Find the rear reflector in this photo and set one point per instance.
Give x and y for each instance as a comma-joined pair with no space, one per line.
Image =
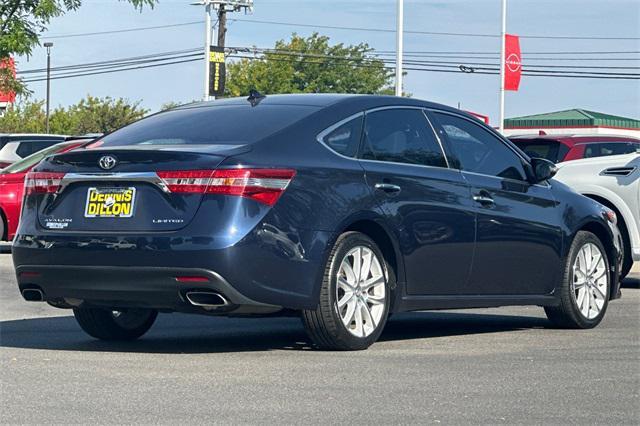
28,274
42,182
263,185
192,279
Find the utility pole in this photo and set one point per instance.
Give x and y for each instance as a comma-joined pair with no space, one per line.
399,37
503,33
48,45
222,7
222,26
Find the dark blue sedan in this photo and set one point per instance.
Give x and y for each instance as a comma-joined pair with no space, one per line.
340,208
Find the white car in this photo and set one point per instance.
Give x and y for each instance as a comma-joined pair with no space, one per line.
615,182
14,147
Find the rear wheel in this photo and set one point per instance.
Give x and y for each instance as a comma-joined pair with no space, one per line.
354,298
107,324
584,292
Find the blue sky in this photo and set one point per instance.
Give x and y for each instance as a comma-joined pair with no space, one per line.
182,83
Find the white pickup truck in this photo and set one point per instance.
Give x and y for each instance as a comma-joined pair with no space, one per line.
615,182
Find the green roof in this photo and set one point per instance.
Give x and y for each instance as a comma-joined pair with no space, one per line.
572,118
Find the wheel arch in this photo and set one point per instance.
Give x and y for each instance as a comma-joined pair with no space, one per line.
617,204
372,225
600,231
622,221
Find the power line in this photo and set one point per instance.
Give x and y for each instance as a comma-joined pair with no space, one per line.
124,30
384,30
336,27
420,67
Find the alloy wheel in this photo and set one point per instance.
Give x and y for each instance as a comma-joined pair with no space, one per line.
361,291
590,281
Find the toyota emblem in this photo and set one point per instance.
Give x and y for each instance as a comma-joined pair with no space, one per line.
107,162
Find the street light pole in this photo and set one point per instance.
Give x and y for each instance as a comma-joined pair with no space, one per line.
503,33
207,43
399,37
48,45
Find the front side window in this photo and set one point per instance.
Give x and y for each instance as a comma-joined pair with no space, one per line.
478,151
401,136
345,138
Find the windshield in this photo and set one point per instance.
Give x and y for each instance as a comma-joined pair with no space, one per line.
542,148
30,161
220,125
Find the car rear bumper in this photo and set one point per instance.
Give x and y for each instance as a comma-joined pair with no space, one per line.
161,288
141,270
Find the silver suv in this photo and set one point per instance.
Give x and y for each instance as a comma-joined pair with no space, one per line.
16,146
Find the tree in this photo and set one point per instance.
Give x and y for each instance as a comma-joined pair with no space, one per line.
21,22
310,65
90,115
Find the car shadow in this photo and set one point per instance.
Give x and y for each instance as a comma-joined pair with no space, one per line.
632,281
193,334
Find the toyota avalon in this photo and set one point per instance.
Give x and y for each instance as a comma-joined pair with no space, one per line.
341,208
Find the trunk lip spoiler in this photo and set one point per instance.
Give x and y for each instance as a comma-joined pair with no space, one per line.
148,177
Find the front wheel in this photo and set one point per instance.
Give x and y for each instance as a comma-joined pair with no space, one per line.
354,297
584,291
107,324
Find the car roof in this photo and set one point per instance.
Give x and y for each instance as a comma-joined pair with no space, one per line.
573,139
321,100
32,134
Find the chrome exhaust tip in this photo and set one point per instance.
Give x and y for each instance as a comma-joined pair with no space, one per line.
206,299
33,295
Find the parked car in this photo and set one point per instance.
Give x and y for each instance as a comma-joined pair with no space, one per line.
615,182
16,146
559,148
343,208
12,185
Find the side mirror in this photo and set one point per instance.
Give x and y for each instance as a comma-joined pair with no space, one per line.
543,169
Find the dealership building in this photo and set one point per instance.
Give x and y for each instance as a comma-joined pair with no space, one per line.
573,121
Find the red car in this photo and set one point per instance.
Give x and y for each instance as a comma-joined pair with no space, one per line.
12,184
558,148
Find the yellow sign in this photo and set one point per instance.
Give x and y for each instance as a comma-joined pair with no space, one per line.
116,202
217,57
216,71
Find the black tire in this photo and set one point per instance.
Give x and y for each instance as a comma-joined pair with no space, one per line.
324,324
567,314
105,324
3,227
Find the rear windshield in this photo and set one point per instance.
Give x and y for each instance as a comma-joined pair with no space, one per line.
230,124
542,148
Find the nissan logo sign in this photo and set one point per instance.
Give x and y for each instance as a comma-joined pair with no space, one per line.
107,162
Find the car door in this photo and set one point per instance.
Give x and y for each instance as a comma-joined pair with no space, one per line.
518,234
428,204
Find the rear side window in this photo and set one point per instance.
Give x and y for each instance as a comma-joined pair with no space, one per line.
216,125
542,148
612,148
479,151
401,136
345,138
29,147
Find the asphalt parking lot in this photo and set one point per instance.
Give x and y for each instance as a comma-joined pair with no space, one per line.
498,366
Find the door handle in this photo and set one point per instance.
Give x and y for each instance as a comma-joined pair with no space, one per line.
387,187
483,198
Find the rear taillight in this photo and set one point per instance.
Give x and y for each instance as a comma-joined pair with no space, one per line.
42,182
263,185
